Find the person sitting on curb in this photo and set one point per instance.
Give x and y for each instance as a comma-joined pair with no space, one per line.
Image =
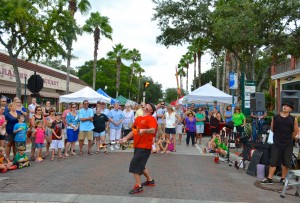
21,159
163,143
5,166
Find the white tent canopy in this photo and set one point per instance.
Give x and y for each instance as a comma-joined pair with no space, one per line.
86,93
207,94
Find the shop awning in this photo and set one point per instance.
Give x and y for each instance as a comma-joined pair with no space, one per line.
49,94
8,89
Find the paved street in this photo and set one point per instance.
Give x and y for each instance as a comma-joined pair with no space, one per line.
181,176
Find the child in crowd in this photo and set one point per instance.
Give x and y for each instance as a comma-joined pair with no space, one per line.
21,159
39,134
20,129
57,142
5,166
155,148
2,127
163,142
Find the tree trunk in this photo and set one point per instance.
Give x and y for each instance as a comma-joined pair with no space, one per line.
187,79
16,73
96,41
263,78
140,76
118,76
195,75
224,72
228,59
181,83
218,71
131,77
199,67
253,63
68,71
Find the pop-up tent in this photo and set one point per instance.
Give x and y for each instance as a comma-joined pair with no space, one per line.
122,100
207,94
86,93
100,91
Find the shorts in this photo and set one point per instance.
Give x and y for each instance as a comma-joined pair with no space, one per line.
96,134
57,144
39,145
72,136
199,128
10,137
214,130
2,137
282,153
85,134
19,144
115,134
32,143
179,129
170,131
139,160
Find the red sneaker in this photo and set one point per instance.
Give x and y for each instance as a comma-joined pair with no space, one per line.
149,183
13,167
136,189
3,170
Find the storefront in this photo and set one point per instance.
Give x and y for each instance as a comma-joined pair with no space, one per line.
54,81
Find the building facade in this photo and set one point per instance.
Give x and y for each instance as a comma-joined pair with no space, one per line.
54,81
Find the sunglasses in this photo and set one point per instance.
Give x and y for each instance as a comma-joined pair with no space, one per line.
85,103
21,150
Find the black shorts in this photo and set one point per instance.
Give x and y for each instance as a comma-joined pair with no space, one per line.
215,130
170,131
281,153
2,137
139,160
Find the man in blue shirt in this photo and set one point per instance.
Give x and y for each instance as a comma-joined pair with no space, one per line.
115,117
86,127
257,123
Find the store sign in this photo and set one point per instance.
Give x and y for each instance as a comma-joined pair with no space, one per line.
7,74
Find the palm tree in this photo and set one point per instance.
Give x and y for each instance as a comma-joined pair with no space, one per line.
83,6
139,70
199,44
135,56
118,54
99,25
193,50
181,73
184,62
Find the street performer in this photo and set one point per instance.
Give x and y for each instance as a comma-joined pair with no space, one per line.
285,128
143,131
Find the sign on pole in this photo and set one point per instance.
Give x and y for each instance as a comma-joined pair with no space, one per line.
233,80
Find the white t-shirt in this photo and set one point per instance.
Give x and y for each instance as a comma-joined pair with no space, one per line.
30,108
170,120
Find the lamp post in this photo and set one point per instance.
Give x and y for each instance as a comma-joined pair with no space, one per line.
243,87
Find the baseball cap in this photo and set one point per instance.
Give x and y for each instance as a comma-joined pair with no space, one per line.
288,103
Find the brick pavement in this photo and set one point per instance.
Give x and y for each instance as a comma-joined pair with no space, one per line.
181,176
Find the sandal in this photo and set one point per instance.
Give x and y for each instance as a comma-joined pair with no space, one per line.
81,153
105,152
90,153
97,152
61,157
52,159
174,150
73,153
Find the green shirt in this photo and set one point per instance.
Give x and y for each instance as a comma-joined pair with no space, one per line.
200,116
238,119
20,158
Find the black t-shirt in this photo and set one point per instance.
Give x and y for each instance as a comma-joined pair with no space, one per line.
99,122
283,129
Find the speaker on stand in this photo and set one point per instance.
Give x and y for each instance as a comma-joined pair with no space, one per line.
293,96
257,101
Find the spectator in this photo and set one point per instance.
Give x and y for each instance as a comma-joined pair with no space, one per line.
239,120
214,122
103,109
172,120
258,118
190,127
19,108
2,127
179,129
163,143
21,160
139,111
39,134
100,122
228,114
37,117
64,115
46,109
32,107
11,120
285,128
200,118
20,130
159,114
86,127
48,123
214,106
128,120
115,117
72,120
57,142
5,166
3,102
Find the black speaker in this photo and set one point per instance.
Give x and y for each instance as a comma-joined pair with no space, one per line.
293,96
257,101
266,150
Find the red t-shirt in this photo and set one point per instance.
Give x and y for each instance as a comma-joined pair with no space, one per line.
144,122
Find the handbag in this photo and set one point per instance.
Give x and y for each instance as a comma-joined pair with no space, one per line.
171,146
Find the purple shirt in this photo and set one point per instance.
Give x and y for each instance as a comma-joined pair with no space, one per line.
190,125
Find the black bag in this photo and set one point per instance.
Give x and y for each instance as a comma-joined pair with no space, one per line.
229,125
